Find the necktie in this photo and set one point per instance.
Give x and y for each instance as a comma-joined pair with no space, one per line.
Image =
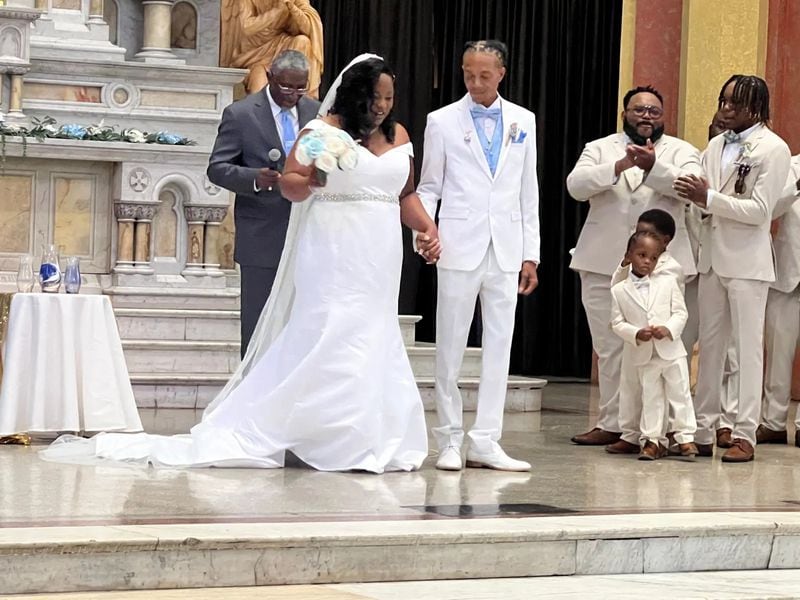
731,137
287,131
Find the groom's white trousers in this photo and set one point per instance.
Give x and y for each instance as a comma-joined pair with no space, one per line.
457,293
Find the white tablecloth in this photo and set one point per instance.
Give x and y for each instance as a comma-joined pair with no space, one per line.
63,367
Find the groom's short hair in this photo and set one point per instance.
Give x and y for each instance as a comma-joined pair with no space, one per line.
496,47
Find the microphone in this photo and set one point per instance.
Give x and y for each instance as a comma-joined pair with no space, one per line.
273,156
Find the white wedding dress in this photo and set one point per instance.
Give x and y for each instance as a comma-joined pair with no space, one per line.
328,377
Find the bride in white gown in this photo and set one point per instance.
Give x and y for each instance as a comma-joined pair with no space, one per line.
326,375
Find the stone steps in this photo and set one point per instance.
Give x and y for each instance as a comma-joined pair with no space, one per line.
195,391
174,298
137,556
206,356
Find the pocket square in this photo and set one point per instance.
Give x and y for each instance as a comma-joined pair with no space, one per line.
520,138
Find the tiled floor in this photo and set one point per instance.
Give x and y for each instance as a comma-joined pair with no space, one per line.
566,479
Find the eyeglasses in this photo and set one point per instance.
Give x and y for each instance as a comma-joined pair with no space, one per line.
653,111
291,90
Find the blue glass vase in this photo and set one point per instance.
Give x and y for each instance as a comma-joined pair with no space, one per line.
50,271
72,275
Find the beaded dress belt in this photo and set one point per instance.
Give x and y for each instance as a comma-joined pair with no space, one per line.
363,197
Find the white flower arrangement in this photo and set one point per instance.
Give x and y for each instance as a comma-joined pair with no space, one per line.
327,149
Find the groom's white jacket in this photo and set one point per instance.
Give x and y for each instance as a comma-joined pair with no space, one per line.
478,208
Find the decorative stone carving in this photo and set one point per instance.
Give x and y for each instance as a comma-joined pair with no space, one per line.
139,179
195,214
124,211
216,214
210,188
146,212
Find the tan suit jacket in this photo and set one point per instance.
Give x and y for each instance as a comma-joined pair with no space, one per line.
736,242
787,240
665,306
614,207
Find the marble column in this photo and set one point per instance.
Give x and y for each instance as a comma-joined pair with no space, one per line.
214,217
126,219
157,32
144,222
195,239
15,98
96,12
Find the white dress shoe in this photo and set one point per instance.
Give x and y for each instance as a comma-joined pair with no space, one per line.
496,460
449,459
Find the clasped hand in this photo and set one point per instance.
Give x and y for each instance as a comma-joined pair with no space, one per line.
428,245
643,157
692,188
658,332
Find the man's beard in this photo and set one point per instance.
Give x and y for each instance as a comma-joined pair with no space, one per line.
631,132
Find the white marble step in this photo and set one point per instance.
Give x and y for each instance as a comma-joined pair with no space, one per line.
176,356
203,356
146,556
203,324
183,298
177,324
192,390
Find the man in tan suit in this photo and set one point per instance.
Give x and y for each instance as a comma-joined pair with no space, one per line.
746,170
621,176
783,317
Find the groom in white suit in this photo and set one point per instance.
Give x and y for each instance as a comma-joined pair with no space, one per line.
480,160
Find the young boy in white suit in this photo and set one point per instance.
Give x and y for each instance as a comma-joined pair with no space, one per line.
649,314
660,224
480,160
783,318
746,170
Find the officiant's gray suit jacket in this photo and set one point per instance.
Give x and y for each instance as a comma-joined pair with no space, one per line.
246,134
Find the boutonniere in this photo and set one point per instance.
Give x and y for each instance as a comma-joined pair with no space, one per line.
743,167
468,136
515,134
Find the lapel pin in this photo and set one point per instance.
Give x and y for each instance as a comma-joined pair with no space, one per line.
468,137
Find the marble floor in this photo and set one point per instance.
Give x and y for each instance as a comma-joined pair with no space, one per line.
724,585
566,480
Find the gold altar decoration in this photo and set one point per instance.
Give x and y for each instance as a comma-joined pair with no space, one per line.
5,309
254,32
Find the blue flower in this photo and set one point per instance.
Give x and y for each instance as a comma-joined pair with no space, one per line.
313,146
168,138
73,131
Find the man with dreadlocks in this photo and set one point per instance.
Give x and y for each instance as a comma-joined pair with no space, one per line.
621,176
746,169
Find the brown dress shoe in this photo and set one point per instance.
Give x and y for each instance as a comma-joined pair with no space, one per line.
765,435
705,450
652,451
596,437
687,451
623,447
724,439
741,451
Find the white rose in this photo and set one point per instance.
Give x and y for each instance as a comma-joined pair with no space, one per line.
135,136
301,155
349,159
49,129
326,162
335,145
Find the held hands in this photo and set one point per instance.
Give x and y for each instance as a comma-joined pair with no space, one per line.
528,278
266,179
692,188
428,245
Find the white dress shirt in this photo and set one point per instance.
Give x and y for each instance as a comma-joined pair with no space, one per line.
730,153
276,114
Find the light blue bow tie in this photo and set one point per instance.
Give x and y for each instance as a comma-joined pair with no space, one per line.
481,112
731,137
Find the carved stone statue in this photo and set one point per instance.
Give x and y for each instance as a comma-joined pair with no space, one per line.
255,31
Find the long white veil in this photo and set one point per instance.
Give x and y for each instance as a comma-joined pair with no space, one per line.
276,311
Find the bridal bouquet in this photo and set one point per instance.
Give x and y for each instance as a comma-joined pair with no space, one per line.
327,149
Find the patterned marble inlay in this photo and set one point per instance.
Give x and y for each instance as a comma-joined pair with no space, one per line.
15,212
74,199
328,197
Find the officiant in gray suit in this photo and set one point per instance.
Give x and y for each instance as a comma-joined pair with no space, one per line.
242,162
